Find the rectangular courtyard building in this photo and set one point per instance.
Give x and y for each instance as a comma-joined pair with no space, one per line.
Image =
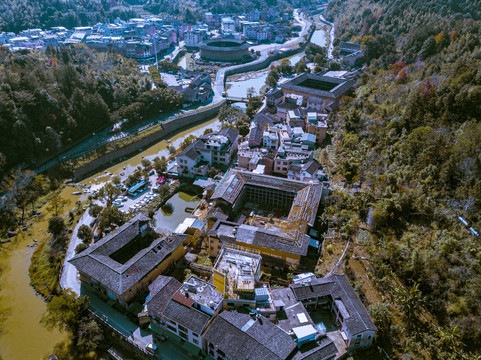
314,86
127,260
270,214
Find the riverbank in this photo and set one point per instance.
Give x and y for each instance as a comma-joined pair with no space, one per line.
22,337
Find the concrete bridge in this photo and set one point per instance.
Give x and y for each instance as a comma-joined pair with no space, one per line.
232,99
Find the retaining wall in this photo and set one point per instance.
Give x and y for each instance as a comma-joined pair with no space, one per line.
178,56
169,126
253,66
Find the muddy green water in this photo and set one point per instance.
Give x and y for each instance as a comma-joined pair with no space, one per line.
22,337
180,201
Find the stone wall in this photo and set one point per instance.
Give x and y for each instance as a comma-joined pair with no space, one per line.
170,126
178,56
255,66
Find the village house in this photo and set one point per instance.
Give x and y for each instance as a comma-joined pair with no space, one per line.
336,294
288,154
309,171
274,97
189,312
216,148
317,125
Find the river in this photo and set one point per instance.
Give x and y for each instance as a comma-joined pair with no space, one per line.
22,337
237,86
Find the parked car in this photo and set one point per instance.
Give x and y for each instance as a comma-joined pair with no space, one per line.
118,204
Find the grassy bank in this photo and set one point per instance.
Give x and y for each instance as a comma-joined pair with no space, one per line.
115,145
45,270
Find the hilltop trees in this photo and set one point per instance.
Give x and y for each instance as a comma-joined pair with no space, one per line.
50,100
405,150
17,15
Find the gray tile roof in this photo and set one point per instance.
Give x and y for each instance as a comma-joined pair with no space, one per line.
311,167
338,288
230,133
161,291
340,88
275,94
241,337
265,119
191,152
255,136
187,316
295,243
96,261
321,349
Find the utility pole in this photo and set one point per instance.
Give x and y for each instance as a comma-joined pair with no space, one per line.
155,49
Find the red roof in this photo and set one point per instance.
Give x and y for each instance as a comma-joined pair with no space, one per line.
181,299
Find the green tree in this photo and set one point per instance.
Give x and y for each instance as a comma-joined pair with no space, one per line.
110,216
146,162
81,247
301,67
65,311
160,165
89,335
56,203
95,210
56,226
85,233
272,79
382,317
108,193
411,301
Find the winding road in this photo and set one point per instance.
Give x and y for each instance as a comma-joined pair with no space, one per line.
331,37
219,84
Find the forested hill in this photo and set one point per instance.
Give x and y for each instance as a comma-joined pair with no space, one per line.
53,99
17,15
195,9
407,149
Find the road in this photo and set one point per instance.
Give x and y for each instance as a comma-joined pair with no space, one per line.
331,38
220,76
69,276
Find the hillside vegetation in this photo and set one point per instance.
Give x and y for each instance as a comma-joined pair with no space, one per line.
17,15
51,100
406,148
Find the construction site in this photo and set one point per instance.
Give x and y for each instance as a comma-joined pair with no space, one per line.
236,271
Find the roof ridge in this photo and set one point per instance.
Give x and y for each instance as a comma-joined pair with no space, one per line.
250,336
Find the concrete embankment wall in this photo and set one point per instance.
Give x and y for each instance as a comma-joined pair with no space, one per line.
178,56
169,127
266,62
261,64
